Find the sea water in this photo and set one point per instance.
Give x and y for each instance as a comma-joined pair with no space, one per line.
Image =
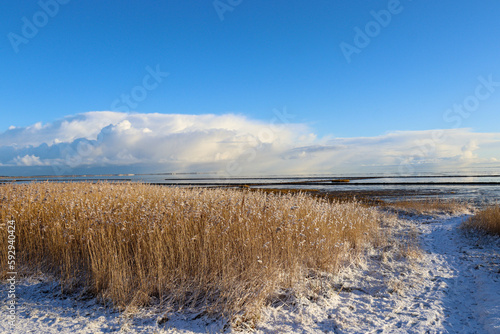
479,187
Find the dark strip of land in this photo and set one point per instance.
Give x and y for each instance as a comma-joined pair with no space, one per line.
240,184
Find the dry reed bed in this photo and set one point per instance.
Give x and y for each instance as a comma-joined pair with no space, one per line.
430,206
218,251
487,220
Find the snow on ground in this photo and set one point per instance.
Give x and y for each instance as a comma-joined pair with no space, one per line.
452,285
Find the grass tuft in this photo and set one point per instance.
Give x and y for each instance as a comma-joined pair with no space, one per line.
487,221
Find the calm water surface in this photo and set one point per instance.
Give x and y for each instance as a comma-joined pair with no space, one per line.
481,188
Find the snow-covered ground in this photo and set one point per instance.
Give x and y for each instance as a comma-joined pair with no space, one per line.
452,285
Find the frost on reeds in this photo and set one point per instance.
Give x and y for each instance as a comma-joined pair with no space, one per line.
218,251
487,221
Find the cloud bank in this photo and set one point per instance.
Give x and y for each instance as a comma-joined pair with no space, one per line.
232,145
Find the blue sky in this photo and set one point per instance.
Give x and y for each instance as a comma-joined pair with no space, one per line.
251,58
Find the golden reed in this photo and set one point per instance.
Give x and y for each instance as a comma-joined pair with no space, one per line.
487,220
216,250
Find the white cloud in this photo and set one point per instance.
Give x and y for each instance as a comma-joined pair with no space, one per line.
233,144
468,150
28,160
86,125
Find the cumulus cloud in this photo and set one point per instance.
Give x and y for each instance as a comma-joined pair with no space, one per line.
231,144
28,160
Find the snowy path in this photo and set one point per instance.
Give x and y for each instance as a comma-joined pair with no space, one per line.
463,277
451,286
